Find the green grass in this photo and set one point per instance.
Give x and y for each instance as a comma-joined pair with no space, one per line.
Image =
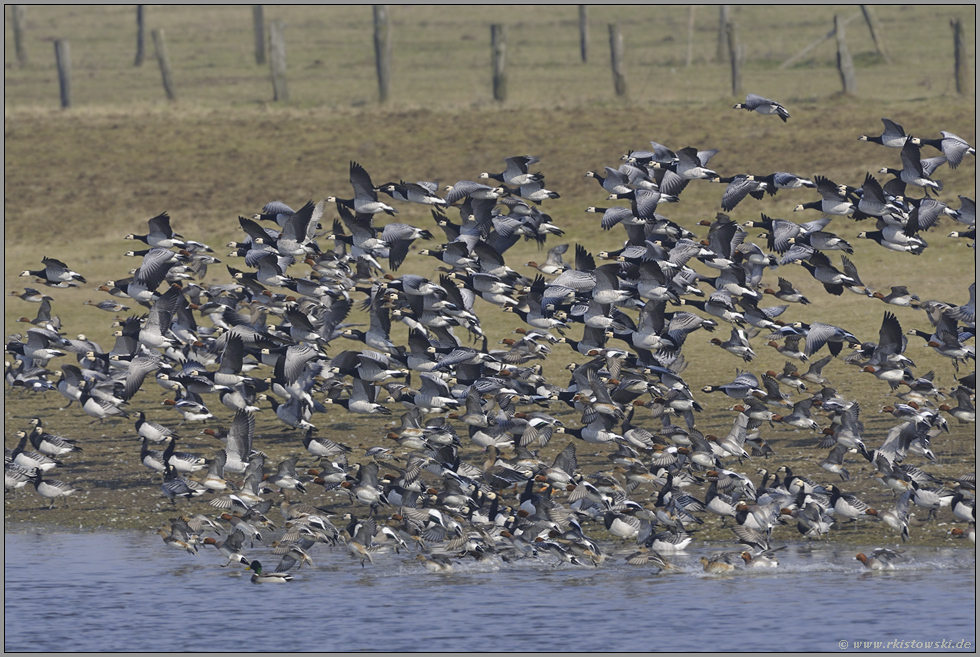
77,181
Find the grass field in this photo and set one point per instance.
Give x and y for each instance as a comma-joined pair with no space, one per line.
441,55
77,181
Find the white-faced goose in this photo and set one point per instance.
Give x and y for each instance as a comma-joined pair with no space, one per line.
756,103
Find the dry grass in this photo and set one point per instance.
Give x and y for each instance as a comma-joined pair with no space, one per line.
76,182
441,55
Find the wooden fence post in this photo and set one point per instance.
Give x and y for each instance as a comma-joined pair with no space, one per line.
616,52
62,55
382,50
876,34
498,47
723,20
140,35
690,35
844,62
736,54
830,35
583,32
160,46
258,29
961,60
277,60
20,31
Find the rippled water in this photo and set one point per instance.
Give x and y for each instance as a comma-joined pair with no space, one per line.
127,591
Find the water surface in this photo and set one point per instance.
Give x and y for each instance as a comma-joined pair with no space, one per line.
130,592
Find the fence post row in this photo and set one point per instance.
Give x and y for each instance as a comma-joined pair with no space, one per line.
277,61
723,20
830,35
20,31
258,28
690,35
876,34
160,46
844,62
736,55
961,60
382,50
62,55
727,45
498,47
140,35
616,51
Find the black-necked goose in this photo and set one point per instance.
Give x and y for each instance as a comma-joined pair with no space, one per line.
660,153
535,192
740,186
361,399
822,240
819,334
49,443
912,171
691,164
832,202
159,233
296,238
967,312
954,148
820,268
516,173
756,103
966,234
471,189
895,239
781,230
854,284
365,199
156,332
418,192
30,459
98,407
41,343
55,274
52,489
872,202
893,135
276,211
615,215
614,182
399,237
784,180
150,275
15,476
744,385
644,202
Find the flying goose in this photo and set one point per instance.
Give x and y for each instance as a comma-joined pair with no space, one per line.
755,103
516,173
365,199
893,135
